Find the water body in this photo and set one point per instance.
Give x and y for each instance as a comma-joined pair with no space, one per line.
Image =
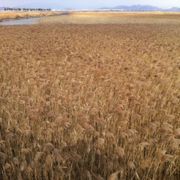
24,21
67,18
29,21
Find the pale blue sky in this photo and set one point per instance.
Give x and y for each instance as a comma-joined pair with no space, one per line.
60,4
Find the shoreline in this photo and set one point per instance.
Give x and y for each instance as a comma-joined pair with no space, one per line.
21,15
5,15
90,17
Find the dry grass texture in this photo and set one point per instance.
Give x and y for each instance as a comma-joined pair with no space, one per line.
90,102
114,18
16,15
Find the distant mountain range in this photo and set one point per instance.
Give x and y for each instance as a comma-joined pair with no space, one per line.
141,8
133,8
174,9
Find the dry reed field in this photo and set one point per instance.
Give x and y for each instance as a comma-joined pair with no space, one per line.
90,102
19,14
114,18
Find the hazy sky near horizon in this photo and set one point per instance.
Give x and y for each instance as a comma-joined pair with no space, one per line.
79,4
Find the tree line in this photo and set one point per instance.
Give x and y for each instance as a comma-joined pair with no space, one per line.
26,9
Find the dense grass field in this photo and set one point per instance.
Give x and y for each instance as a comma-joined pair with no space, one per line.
90,102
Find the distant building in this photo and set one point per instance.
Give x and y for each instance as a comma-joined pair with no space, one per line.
24,9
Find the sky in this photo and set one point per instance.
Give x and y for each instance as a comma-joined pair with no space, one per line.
86,4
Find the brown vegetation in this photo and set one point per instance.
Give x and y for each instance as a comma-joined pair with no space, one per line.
114,18
18,14
90,102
